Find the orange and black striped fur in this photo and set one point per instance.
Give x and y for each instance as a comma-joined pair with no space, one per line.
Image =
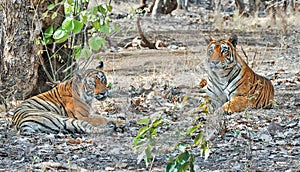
66,108
232,84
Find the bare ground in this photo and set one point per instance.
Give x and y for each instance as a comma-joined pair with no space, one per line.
256,140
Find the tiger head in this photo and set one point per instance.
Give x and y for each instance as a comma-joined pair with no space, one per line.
92,83
221,53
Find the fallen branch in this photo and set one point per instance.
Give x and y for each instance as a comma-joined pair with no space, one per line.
149,44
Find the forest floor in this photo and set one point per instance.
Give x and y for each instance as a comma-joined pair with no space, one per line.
156,83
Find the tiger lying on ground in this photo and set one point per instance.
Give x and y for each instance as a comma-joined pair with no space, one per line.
232,84
66,108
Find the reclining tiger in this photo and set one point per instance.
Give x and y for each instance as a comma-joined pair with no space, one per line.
67,107
232,84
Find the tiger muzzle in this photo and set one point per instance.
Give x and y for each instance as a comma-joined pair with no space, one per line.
216,64
102,95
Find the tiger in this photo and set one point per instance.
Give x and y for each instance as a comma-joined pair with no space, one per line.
67,107
232,84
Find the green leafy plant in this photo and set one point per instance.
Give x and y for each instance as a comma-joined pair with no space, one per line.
77,19
185,159
145,140
91,25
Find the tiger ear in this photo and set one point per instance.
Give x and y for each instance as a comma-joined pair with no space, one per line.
208,39
100,65
233,40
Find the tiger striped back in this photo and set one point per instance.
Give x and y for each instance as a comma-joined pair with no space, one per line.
66,108
232,84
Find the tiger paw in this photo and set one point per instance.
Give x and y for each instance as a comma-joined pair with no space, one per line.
107,128
116,126
111,125
120,128
229,108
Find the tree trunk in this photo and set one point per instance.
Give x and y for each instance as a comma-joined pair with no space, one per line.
241,6
252,7
23,62
20,62
163,7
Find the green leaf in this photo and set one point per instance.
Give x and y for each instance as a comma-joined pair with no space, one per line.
83,16
68,10
206,151
183,158
96,43
192,160
37,41
86,52
68,24
138,142
108,7
71,2
104,29
152,132
142,131
45,14
157,123
48,32
110,85
144,121
199,139
77,26
101,9
54,15
184,167
63,39
48,41
191,130
171,166
50,7
96,25
60,35
77,51
194,128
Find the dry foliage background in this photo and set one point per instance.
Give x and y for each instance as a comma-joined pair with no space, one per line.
149,83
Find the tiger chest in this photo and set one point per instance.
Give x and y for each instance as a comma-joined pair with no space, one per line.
224,85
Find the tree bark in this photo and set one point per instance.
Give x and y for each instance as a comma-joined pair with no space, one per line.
241,6
20,62
252,7
23,62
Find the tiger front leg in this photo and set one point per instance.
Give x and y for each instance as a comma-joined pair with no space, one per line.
95,121
101,122
236,104
80,126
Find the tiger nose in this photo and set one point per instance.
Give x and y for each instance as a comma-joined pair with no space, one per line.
215,62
